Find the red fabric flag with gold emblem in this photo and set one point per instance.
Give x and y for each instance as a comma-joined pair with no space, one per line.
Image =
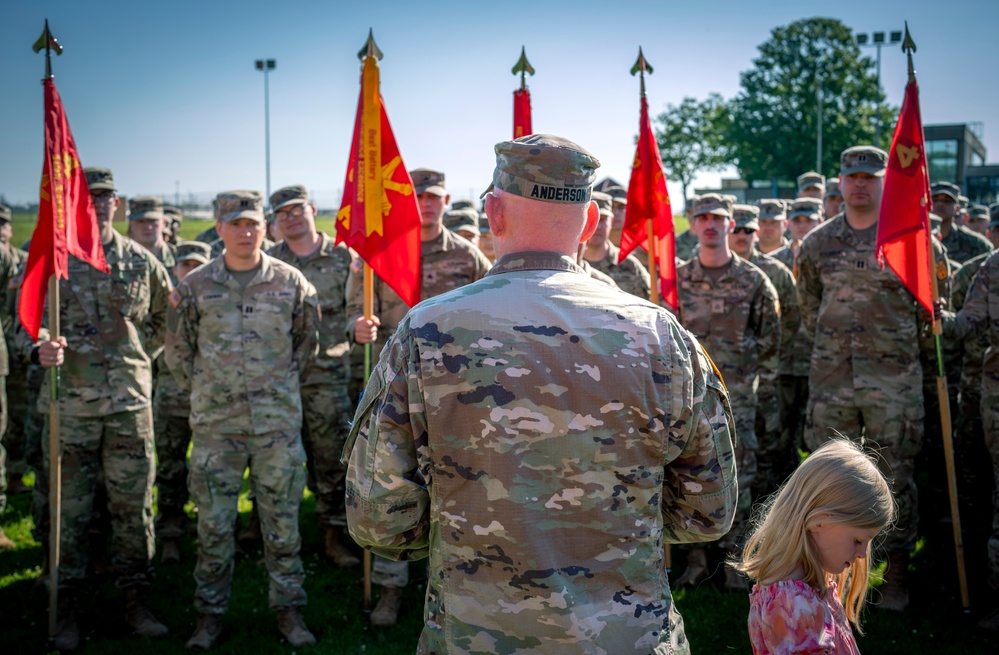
522,113
903,240
648,200
67,224
379,216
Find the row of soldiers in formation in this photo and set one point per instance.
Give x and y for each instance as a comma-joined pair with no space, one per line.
253,357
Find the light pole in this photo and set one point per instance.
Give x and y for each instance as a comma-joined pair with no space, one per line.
267,65
877,39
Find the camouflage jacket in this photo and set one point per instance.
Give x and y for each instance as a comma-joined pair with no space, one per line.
801,345
865,324
539,436
974,347
242,352
630,275
114,327
963,244
685,243
328,269
980,316
737,319
9,279
210,235
790,310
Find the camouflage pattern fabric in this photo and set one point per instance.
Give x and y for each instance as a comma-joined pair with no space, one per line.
243,368
629,275
516,431
963,244
209,235
865,365
18,395
326,405
685,243
277,474
597,275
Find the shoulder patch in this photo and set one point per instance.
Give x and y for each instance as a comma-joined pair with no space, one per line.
175,298
941,270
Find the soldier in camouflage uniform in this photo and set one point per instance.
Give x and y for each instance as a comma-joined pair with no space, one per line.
112,329
773,220
447,262
602,255
326,407
172,424
242,336
833,200
812,185
464,223
777,455
865,375
732,307
171,229
961,243
978,220
686,241
527,492
8,272
146,222
978,316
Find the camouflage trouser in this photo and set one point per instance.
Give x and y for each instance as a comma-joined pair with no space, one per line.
990,420
326,412
895,434
3,453
13,437
793,406
389,573
121,446
277,475
173,434
746,471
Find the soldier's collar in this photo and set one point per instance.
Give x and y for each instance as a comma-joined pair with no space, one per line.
535,260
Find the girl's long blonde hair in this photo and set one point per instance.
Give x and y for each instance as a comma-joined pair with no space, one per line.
838,483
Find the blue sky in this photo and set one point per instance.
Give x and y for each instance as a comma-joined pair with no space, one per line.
165,93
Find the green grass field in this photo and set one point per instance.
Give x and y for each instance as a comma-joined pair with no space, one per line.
715,620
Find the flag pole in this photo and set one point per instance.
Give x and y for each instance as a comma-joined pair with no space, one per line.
943,398
371,150
49,43
522,120
523,67
640,68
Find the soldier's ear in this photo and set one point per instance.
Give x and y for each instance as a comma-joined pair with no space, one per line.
494,214
592,217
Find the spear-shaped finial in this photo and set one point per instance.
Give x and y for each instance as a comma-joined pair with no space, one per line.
523,67
370,48
909,47
642,67
47,41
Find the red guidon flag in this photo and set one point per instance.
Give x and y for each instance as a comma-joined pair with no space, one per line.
648,204
379,216
903,240
67,224
522,113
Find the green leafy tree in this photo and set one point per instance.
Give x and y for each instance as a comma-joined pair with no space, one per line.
775,115
692,138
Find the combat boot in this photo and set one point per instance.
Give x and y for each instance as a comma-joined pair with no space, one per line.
5,542
251,533
895,590
386,612
67,633
697,568
169,551
138,616
207,633
336,551
292,626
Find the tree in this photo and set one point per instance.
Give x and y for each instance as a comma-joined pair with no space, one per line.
691,138
775,115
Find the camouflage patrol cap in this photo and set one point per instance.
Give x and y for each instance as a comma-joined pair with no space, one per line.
426,180
810,208
295,194
713,203
772,208
945,189
194,250
994,213
145,207
463,204
605,203
545,167
462,219
963,201
978,213
832,188
692,201
173,213
618,194
810,179
5,213
863,159
745,216
232,205
99,179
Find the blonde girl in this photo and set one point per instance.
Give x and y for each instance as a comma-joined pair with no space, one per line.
810,553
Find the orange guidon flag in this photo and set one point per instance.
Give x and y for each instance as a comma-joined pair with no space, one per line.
648,199
903,239
379,216
67,224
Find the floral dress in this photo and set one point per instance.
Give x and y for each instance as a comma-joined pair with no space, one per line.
790,617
